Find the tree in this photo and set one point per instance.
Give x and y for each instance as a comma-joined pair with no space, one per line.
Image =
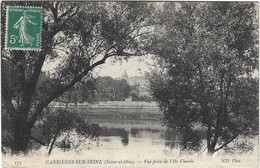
207,55
82,35
62,121
111,89
81,92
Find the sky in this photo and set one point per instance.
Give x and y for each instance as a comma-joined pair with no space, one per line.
134,66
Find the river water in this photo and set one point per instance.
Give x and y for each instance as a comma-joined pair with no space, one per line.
133,138
133,130
137,132
131,134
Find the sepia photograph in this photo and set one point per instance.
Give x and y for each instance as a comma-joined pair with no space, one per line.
134,84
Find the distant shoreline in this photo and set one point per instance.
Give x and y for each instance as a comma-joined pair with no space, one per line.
111,105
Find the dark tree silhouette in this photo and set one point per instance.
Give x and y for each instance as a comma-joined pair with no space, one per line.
207,57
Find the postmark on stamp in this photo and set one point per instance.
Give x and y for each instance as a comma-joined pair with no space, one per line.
23,28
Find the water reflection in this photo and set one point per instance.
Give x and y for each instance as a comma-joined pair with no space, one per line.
136,132
158,136
110,132
129,133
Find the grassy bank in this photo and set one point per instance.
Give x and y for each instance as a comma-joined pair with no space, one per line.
119,113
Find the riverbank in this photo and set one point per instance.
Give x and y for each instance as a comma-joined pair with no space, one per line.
115,110
119,113
110,104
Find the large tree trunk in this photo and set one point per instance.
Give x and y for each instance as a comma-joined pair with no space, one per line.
211,151
21,136
21,129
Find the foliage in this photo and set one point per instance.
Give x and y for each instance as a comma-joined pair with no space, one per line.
207,55
109,89
59,122
80,92
99,89
135,93
240,148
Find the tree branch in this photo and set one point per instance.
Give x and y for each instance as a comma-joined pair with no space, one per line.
234,137
67,12
63,89
54,11
220,114
38,141
32,83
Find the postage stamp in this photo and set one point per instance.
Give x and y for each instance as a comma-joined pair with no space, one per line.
23,28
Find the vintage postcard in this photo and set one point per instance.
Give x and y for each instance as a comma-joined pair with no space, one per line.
129,84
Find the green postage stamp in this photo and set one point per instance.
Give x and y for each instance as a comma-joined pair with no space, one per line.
23,28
